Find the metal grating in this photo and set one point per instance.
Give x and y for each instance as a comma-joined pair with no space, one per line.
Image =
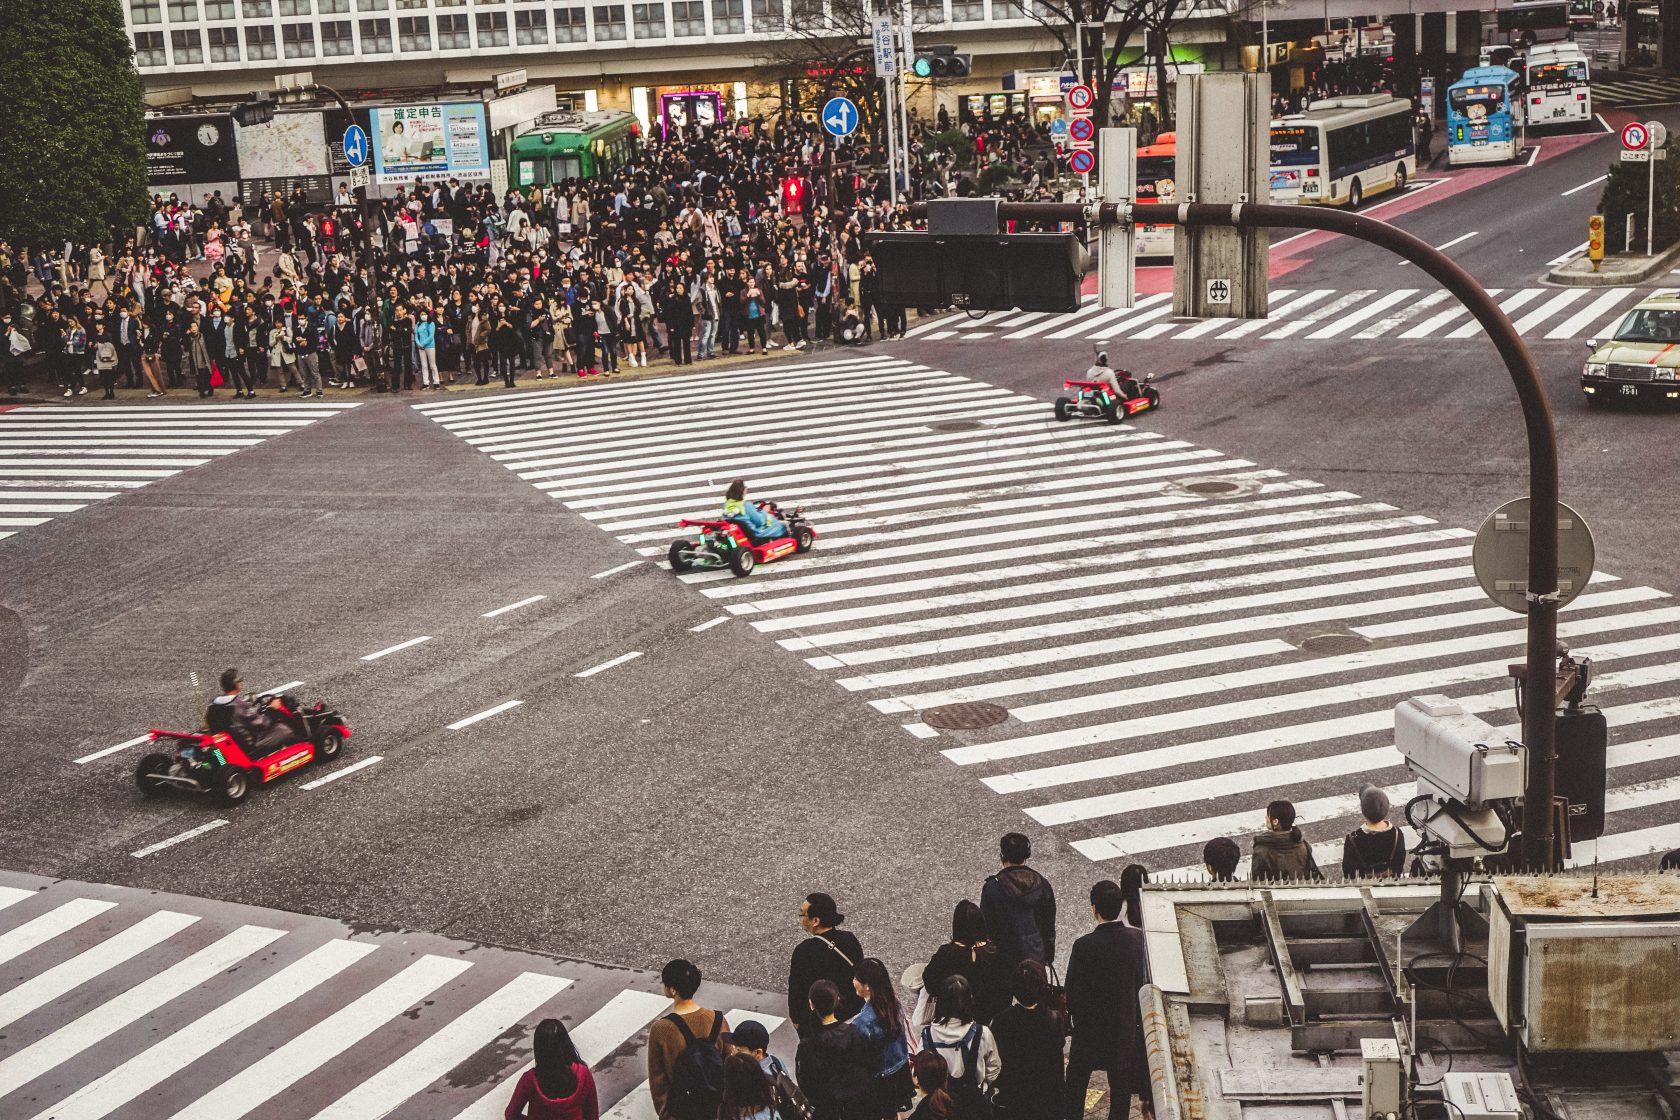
965,717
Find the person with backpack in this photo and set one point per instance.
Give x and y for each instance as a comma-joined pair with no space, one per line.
1029,1041
882,1026
969,1050
1281,852
750,1038
971,955
1376,849
833,1060
1106,969
943,1099
747,1093
827,953
559,1086
685,1051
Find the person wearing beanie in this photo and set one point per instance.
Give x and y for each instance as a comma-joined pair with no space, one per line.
1376,849
1281,852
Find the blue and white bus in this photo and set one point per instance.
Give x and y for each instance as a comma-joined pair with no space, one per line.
1486,118
1342,149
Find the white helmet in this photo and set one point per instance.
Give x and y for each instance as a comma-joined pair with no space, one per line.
1102,357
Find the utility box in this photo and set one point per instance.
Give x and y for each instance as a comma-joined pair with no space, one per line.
1586,963
1224,157
1381,1078
1583,740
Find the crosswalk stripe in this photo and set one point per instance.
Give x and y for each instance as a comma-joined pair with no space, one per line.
1407,313
1510,303
38,931
1108,321
1546,310
1276,298
1300,303
1594,312
44,987
1307,318
1370,310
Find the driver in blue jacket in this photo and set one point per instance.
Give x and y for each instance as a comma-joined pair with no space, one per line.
758,524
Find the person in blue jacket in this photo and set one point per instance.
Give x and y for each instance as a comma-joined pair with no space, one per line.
425,351
758,524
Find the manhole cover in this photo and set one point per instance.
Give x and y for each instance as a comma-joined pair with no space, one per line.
964,717
956,425
1212,486
1336,641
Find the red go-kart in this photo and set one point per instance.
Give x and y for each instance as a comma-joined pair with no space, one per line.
725,544
221,763
1093,399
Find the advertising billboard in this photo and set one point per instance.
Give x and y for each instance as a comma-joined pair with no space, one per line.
191,149
430,142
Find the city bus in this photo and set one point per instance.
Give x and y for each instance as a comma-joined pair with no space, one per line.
1583,14
567,145
1486,118
1557,83
1527,22
1342,149
1156,182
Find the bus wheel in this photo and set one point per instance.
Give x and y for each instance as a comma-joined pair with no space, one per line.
1356,195
1400,177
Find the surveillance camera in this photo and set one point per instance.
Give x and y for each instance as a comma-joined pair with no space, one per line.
1456,755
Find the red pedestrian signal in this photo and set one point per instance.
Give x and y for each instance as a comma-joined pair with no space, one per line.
791,196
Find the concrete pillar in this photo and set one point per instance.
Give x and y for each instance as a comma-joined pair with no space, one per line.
1452,32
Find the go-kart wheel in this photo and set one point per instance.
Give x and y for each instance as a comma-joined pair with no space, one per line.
232,785
1064,408
1114,412
1154,396
155,763
679,562
803,539
328,745
742,561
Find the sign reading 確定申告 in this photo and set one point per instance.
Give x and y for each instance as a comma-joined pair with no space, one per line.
430,142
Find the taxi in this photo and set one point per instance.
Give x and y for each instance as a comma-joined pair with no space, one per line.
1640,359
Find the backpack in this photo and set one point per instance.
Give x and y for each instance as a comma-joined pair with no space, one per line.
697,1076
1380,871
791,1103
968,1046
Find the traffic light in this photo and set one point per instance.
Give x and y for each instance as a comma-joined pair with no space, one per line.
793,201
941,62
253,112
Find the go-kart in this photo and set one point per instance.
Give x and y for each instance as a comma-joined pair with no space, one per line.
725,543
221,762
1093,399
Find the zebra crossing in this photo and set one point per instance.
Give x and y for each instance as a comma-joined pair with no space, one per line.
1173,635
128,1004
1654,90
1309,315
58,459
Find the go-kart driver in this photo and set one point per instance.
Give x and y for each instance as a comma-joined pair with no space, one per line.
265,728
758,524
1102,372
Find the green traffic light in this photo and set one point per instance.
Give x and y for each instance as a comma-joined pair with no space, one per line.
924,67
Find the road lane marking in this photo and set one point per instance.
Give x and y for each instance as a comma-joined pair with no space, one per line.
485,714
207,826
708,625
513,606
1533,154
337,774
615,571
605,665
40,930
280,688
1564,258
375,656
1457,240
1585,185
134,742
921,731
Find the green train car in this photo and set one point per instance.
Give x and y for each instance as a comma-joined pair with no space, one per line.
569,145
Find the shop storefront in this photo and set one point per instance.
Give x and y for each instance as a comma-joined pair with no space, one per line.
1045,90
667,110
988,108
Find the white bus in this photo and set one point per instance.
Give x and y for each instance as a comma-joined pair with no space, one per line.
1342,149
1559,85
1527,22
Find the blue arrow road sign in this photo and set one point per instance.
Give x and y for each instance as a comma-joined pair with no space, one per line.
840,116
1058,127
355,146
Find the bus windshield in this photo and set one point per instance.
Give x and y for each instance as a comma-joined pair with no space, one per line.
1294,146
1558,74
1466,100
1649,325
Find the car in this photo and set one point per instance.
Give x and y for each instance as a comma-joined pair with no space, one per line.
1093,399
219,763
1640,360
725,544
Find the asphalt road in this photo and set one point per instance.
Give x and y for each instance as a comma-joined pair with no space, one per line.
680,802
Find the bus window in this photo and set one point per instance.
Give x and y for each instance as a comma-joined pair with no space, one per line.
1294,147
1557,74
1155,182
1477,102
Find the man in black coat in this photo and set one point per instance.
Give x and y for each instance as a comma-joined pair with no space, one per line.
1106,970
827,954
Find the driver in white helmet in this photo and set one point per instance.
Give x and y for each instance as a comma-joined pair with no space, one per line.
1102,372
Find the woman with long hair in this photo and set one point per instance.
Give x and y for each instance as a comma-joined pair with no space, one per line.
1132,880
559,1086
970,954
967,1045
747,1091
939,1100
881,1023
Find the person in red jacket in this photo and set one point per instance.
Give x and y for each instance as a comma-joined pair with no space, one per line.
559,1086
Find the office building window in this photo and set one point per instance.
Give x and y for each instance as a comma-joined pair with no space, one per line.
688,17
376,36
187,47
373,5
183,11
927,11
218,9
492,29
148,49
449,3
412,3
650,20
258,9
336,38
141,12
452,33
224,44
609,22
807,14
967,11
259,42
295,8
767,15
727,18
298,40
570,26
414,33
333,7
530,26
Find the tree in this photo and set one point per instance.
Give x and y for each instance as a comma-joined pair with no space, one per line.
73,108
1099,30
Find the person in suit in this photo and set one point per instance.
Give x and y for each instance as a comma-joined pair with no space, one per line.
1106,969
